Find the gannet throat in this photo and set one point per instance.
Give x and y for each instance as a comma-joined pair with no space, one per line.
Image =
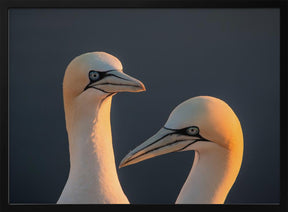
89,83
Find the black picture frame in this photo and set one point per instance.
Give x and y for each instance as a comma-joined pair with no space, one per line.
6,5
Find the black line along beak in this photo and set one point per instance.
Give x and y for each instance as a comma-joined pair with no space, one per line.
115,81
163,142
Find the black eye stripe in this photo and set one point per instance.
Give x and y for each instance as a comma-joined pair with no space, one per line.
184,132
192,131
101,76
90,75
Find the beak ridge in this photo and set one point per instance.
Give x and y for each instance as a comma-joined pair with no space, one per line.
163,142
120,82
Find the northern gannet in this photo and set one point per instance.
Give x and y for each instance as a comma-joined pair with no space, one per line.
211,128
89,83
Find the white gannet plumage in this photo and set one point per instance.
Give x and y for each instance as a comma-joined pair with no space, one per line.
211,128
89,83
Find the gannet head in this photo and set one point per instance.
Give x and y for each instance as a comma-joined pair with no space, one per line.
198,124
99,74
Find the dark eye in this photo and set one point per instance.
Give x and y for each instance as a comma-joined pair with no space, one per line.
192,131
94,75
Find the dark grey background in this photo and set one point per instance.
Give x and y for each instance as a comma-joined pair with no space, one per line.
232,54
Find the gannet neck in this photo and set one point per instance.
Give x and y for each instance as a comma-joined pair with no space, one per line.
93,177
212,175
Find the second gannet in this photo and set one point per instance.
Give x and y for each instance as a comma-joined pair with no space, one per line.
208,126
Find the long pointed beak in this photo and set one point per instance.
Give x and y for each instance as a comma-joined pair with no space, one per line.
163,142
117,81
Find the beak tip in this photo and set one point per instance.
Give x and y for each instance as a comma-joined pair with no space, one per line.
121,165
142,87
125,161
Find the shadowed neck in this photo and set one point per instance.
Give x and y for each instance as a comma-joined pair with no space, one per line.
212,175
93,177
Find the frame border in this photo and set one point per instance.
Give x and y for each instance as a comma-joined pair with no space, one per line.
4,107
